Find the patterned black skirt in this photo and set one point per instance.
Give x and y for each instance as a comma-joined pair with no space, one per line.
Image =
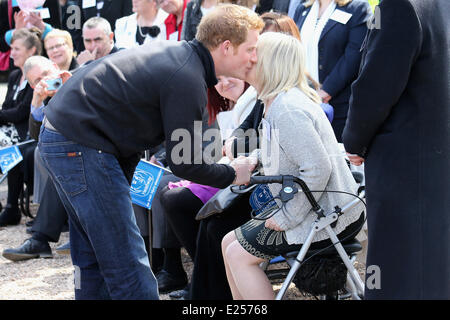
267,244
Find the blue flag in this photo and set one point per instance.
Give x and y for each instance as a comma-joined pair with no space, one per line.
9,158
145,182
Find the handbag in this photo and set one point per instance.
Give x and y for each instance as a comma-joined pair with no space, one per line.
221,201
8,135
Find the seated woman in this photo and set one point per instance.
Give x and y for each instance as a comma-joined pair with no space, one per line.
299,141
59,47
16,110
146,24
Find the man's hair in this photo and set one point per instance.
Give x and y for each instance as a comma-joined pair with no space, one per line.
34,61
63,34
98,22
281,66
227,22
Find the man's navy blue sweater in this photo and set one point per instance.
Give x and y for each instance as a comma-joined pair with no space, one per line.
132,100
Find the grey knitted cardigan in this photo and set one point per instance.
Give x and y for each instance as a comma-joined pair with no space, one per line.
298,139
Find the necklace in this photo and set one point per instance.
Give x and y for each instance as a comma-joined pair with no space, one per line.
140,32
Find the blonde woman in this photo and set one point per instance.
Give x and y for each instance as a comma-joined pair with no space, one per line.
299,141
146,24
59,47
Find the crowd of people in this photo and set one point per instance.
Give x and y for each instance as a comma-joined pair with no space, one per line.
301,76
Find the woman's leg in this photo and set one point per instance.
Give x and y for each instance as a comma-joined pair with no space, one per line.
227,240
248,280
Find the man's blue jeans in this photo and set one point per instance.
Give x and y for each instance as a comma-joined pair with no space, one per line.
107,250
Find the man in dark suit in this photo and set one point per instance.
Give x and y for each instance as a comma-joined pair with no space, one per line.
398,124
98,40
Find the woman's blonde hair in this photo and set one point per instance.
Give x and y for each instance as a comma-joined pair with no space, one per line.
281,66
340,3
57,33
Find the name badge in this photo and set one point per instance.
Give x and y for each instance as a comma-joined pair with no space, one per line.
89,4
173,36
341,16
100,5
44,13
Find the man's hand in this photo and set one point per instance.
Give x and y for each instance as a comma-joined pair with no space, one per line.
271,224
86,56
355,159
64,75
244,168
40,92
324,96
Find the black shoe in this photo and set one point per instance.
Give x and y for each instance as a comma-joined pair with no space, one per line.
30,249
169,282
182,294
10,216
29,223
29,230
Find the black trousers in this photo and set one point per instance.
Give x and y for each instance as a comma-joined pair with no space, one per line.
23,172
181,206
51,216
209,280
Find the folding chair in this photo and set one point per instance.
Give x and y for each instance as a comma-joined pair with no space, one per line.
339,256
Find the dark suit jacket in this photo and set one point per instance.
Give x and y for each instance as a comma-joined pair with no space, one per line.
399,120
281,5
339,51
110,11
264,6
16,111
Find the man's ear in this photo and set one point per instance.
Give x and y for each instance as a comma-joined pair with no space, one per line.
111,36
226,47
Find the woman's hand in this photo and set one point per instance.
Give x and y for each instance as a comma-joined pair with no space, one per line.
20,20
271,224
35,19
355,159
